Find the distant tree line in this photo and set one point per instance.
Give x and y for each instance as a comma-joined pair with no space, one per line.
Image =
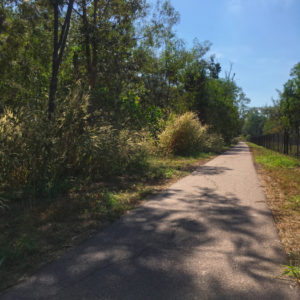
282,117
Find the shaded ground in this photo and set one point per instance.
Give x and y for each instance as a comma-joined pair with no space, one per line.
209,236
28,229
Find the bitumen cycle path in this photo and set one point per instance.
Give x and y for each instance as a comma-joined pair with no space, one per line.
208,236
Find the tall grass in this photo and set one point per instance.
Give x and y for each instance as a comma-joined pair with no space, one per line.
185,135
38,155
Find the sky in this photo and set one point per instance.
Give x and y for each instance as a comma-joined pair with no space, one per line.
261,38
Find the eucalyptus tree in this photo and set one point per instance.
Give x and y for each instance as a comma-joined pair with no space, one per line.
25,53
59,44
290,101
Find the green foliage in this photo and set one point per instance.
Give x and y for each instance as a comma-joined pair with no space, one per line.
117,93
292,271
25,49
109,152
290,101
24,246
214,142
222,109
275,160
283,175
37,155
254,122
273,123
262,120
218,102
123,73
284,115
295,201
108,205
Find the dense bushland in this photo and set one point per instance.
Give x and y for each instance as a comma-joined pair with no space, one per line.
39,155
97,97
90,89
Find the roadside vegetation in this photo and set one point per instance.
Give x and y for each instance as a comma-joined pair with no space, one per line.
97,101
280,175
35,236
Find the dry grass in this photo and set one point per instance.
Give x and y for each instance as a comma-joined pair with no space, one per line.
32,237
185,135
280,176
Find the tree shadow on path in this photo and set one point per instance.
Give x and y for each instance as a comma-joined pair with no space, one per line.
177,246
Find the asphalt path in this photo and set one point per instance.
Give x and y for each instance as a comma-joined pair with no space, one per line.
208,236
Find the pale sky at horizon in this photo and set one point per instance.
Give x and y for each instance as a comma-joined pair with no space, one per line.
260,37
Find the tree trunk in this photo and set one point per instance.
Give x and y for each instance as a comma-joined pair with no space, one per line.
286,142
53,81
94,48
86,33
58,51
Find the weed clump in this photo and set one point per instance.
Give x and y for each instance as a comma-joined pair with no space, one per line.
185,135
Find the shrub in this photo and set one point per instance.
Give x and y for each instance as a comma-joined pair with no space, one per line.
236,140
183,135
109,152
23,148
214,142
37,155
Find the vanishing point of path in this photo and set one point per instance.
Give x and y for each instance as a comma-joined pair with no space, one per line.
209,236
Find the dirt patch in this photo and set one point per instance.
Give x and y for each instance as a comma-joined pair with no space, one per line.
287,220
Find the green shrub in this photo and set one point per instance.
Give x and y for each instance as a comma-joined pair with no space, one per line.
292,271
23,246
109,152
236,140
214,143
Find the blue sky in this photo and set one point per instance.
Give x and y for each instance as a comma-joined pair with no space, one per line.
260,37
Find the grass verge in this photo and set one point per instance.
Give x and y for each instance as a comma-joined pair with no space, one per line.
280,175
31,237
